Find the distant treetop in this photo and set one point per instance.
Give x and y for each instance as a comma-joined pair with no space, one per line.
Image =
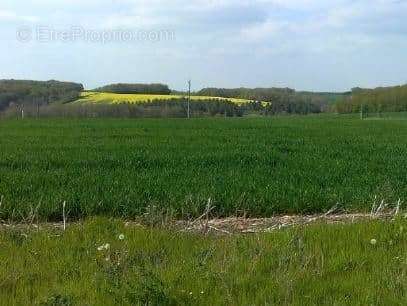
122,88
377,100
37,92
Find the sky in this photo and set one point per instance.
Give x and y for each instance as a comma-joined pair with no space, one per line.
307,45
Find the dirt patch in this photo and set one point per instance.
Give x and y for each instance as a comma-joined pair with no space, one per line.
248,226
232,225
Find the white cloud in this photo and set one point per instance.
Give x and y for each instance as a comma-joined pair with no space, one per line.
358,19
243,33
130,21
7,15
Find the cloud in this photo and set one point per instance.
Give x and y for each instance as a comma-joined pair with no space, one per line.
11,16
362,18
244,36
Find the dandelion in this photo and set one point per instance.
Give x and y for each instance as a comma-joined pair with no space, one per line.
202,292
190,293
104,247
121,237
373,242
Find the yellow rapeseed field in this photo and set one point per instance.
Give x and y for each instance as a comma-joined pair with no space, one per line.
113,98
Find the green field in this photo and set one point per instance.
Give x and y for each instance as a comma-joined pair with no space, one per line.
114,98
356,264
261,167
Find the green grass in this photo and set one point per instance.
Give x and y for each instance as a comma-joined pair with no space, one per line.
385,116
125,168
113,98
315,265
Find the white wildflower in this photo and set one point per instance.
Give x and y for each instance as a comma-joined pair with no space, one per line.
373,242
121,237
104,247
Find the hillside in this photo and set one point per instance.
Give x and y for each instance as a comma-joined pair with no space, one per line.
25,92
115,98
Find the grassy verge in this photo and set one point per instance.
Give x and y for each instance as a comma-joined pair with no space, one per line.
315,265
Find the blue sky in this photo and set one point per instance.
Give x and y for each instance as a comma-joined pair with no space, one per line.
303,44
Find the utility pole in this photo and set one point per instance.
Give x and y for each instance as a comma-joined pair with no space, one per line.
189,99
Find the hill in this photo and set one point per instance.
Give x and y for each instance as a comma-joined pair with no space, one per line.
116,98
26,92
123,88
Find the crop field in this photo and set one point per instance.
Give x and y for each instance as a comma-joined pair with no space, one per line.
256,166
104,262
114,98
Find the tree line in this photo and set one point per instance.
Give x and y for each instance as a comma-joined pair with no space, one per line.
122,88
176,108
378,100
33,96
23,93
283,100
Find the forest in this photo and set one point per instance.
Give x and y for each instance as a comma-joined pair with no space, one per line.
158,89
284,100
378,100
36,93
174,108
52,98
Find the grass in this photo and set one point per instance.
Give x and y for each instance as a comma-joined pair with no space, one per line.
113,98
261,166
315,265
126,168
386,116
